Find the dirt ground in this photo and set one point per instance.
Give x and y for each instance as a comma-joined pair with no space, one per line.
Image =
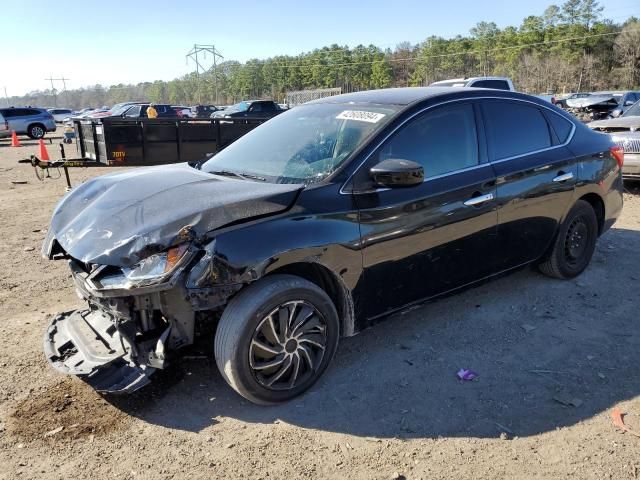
554,358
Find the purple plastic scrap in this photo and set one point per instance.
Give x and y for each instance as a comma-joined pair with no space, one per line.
464,374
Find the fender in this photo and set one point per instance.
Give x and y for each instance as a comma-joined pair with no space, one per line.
328,238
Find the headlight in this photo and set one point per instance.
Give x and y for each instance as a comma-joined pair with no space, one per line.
150,271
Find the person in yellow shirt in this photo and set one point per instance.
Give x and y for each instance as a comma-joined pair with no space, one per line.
151,111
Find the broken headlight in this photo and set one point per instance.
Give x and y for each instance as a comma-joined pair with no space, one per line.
152,270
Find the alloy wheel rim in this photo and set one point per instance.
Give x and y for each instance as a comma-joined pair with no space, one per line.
288,346
38,132
575,244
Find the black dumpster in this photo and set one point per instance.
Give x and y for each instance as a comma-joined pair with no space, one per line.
157,141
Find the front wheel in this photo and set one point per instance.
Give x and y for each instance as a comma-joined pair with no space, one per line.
276,338
575,244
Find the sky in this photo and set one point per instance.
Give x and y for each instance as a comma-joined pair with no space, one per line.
117,41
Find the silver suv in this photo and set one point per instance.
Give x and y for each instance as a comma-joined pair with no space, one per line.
34,122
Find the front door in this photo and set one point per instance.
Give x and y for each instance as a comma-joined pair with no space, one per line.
421,241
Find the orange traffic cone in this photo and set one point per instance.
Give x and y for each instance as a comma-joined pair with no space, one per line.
14,139
44,155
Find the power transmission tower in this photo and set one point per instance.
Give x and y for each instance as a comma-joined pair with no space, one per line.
55,91
203,50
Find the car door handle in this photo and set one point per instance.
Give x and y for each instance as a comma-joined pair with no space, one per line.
563,177
480,199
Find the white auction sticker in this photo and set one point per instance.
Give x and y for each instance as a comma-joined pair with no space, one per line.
361,116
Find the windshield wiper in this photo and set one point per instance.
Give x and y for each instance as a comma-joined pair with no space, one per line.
244,176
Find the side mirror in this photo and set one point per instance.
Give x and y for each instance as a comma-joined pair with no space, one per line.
396,172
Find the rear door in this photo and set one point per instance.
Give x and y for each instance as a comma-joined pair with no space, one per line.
424,240
17,119
535,175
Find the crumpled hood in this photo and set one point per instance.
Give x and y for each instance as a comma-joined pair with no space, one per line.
590,100
620,122
120,218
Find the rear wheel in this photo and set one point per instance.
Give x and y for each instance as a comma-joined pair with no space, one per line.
36,131
575,244
276,338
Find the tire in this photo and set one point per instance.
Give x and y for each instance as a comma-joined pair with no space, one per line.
574,245
36,131
264,362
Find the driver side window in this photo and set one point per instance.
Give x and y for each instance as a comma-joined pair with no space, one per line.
442,140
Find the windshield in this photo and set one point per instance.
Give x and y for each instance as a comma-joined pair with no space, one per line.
633,110
303,145
238,107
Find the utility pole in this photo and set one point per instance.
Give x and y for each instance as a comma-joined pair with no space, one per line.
6,97
193,55
53,88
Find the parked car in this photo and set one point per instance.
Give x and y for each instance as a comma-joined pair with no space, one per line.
251,109
600,105
117,110
5,131
203,111
625,132
561,101
318,223
85,113
498,83
181,111
34,122
59,114
625,101
140,111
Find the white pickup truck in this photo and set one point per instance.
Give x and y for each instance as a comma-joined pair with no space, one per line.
498,83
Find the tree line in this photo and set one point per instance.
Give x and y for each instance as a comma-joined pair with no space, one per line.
568,48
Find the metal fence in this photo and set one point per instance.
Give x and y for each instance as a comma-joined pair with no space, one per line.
302,96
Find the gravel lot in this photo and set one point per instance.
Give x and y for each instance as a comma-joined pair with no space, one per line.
553,359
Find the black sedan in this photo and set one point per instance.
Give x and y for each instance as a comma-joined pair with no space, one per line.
317,224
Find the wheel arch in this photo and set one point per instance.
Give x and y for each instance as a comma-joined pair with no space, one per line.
332,284
597,203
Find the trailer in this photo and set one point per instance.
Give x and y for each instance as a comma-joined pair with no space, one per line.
125,142
156,141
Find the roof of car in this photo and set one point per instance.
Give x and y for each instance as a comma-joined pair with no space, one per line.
404,95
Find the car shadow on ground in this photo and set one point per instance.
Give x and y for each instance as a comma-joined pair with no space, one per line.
548,354
29,142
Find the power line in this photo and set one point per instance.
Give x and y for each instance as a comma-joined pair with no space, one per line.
55,91
193,55
453,54
346,48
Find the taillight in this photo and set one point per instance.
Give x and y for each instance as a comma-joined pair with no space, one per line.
617,152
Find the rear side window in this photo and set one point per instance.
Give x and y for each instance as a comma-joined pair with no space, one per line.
442,140
495,84
560,125
514,128
31,111
13,112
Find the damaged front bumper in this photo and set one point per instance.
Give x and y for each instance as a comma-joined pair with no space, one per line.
88,344
126,335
